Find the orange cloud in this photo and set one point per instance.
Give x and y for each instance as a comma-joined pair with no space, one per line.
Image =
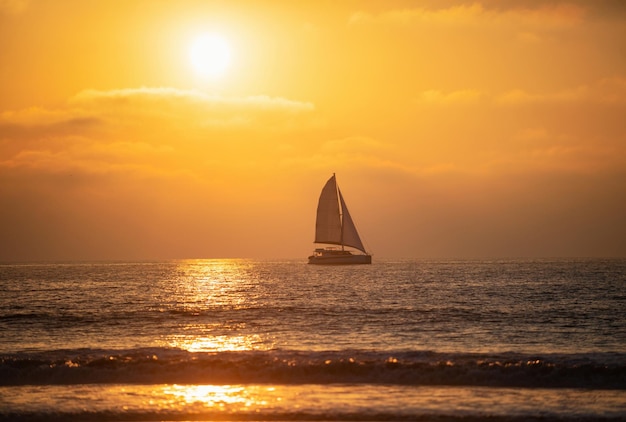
192,107
163,96
167,105
606,91
148,132
461,97
552,16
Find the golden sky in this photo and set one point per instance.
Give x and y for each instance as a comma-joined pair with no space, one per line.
456,129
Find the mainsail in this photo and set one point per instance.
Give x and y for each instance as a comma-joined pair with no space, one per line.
334,225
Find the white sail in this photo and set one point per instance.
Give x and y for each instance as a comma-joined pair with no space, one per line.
328,223
350,235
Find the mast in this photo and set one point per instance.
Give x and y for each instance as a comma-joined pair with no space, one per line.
340,211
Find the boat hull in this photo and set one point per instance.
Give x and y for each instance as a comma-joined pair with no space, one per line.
331,257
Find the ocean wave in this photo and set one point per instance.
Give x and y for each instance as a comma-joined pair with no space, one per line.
110,415
167,365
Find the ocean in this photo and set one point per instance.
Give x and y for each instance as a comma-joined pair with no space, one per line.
444,340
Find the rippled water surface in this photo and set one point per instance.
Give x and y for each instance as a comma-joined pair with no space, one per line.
477,326
476,306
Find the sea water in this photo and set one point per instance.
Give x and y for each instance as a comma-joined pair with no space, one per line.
283,340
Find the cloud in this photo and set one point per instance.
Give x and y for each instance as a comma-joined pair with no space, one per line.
42,117
609,91
147,132
453,15
108,111
544,16
174,107
460,97
82,156
176,97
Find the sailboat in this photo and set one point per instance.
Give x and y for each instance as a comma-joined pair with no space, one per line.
334,226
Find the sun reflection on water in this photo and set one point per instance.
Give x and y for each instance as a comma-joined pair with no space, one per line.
219,343
215,282
231,398
207,291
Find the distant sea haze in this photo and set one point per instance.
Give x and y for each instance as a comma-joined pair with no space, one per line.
275,340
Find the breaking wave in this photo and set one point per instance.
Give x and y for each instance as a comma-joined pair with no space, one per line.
167,365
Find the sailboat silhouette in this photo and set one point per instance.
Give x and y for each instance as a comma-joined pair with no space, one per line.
334,226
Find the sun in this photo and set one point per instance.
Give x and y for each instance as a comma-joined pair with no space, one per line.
210,55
